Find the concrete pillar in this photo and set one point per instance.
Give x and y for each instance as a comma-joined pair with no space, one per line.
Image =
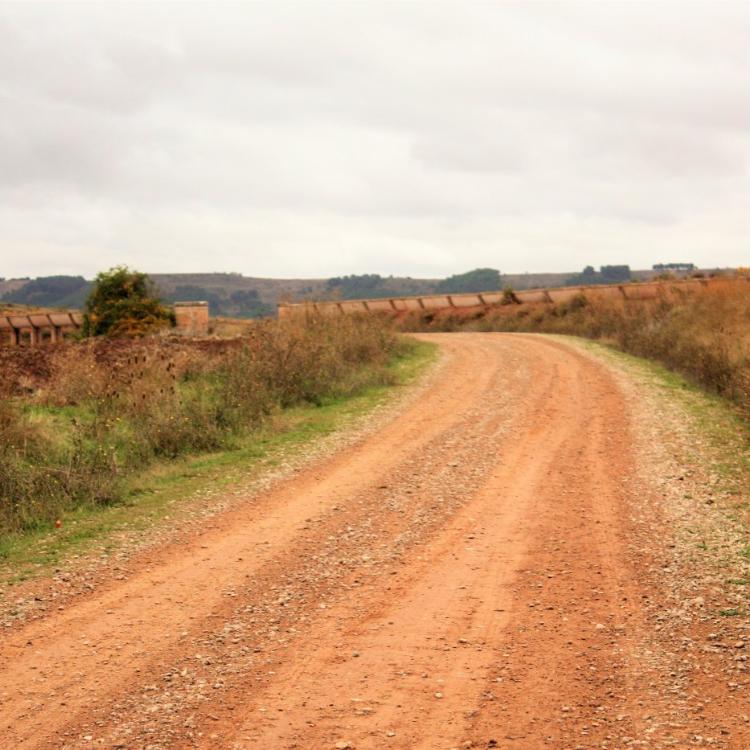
33,336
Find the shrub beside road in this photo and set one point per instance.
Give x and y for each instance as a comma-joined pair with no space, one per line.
77,422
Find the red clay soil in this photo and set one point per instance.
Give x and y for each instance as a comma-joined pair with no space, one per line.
463,577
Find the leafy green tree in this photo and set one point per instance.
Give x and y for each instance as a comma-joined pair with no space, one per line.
478,280
124,302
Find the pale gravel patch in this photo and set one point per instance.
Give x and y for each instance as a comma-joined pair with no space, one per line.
80,574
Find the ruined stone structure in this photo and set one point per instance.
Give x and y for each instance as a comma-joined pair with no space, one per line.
645,290
37,328
33,329
191,318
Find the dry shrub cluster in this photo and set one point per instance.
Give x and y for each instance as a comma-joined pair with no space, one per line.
102,414
703,334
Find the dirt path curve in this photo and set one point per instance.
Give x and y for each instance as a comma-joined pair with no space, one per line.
464,577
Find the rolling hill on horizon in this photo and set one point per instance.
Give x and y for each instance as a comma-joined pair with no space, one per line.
235,295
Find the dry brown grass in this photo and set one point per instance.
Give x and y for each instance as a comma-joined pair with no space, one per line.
98,413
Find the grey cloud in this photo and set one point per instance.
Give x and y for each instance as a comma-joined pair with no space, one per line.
440,133
672,151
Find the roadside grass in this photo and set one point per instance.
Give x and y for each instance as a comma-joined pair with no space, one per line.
719,419
169,490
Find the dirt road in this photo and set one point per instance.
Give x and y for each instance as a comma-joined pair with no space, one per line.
476,573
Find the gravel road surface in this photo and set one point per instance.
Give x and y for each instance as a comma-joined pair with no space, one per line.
500,564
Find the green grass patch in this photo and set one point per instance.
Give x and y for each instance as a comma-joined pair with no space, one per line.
730,612
169,488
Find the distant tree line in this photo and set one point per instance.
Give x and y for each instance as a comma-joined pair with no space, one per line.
605,275
478,280
373,286
358,286
685,267
241,303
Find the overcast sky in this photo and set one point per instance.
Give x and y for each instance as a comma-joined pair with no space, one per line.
314,139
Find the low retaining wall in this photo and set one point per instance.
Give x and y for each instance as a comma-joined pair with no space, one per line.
637,291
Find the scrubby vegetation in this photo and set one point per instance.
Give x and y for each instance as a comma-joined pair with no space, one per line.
99,411
703,334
